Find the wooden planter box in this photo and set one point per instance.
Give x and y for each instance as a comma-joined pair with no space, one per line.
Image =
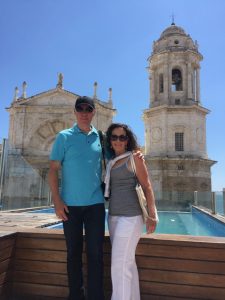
33,266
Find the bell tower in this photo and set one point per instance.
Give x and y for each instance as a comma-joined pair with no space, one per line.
174,69
175,122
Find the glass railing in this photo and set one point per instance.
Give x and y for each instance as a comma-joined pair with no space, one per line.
23,180
220,203
214,202
24,184
203,199
174,200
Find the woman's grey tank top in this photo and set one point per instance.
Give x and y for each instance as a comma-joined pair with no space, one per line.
123,199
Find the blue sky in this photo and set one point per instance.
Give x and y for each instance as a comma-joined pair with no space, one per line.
109,42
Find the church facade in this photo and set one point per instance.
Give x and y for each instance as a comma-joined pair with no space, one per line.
34,123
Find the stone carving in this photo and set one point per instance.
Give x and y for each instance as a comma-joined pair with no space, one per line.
16,93
60,81
24,94
95,90
156,134
110,96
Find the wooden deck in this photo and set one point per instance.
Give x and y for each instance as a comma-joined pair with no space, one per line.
23,219
33,266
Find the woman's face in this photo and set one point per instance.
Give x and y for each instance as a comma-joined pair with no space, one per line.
119,140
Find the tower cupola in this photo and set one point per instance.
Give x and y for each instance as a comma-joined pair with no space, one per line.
174,69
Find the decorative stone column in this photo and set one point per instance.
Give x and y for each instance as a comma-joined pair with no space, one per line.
110,97
198,85
43,174
189,81
152,87
194,85
169,76
166,81
24,93
95,90
16,94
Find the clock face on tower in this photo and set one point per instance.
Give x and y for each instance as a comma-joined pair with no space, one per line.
156,134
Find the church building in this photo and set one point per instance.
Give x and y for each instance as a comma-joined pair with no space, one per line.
175,122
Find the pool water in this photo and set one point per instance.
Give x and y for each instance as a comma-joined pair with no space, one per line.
186,223
189,223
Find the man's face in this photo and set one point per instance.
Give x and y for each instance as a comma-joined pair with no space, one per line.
84,114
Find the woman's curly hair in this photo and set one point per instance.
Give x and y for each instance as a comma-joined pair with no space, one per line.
132,139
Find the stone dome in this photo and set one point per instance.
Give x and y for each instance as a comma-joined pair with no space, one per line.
172,30
174,39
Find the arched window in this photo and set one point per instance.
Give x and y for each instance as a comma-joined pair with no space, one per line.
177,84
161,87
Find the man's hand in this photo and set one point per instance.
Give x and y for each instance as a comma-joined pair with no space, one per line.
61,209
53,177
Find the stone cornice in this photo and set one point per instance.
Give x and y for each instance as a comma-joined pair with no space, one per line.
210,162
169,51
174,108
24,102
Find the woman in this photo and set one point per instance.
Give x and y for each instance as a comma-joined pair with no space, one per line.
125,215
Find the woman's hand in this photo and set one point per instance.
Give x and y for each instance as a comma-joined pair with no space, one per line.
151,225
139,155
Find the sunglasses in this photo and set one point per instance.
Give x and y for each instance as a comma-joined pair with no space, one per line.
87,109
121,138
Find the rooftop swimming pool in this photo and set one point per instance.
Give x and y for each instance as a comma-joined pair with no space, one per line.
190,223
195,223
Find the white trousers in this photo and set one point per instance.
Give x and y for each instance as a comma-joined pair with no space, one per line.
125,233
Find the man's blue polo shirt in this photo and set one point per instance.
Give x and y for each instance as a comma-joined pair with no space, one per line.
80,157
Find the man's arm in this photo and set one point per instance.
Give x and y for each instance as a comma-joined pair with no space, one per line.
53,177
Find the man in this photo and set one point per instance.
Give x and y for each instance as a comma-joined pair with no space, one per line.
77,152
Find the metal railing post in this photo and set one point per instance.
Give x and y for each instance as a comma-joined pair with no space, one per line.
224,201
2,170
213,203
196,198
49,198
